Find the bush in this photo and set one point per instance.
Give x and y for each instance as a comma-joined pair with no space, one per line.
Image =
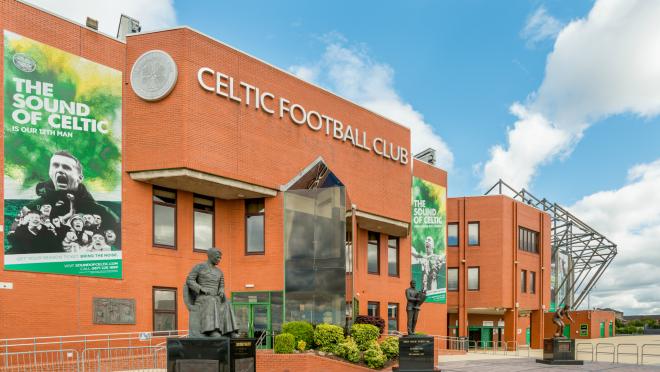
390,347
328,336
349,350
364,334
373,356
373,320
301,345
301,330
284,343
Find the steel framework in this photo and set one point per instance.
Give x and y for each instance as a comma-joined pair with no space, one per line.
587,251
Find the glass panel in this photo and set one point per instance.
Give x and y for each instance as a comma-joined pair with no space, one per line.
164,321
532,282
276,309
473,278
523,278
203,203
203,230
255,233
372,252
473,233
164,300
452,234
452,279
164,196
372,309
163,225
315,255
254,206
393,256
242,313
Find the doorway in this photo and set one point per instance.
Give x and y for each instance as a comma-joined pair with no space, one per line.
256,317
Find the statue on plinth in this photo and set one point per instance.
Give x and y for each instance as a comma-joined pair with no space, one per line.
558,319
210,313
415,300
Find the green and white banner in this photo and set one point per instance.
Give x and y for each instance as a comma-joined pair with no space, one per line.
62,161
429,239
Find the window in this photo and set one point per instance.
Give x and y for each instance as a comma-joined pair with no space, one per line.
373,308
373,256
392,318
203,209
528,240
254,226
473,233
164,209
452,234
473,278
452,279
164,309
523,281
532,282
393,256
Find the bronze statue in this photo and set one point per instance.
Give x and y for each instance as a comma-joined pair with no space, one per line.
415,300
210,313
559,321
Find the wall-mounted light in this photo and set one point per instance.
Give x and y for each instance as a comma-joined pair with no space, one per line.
249,285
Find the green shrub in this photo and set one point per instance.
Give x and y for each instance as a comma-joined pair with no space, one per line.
390,347
373,356
284,343
301,345
328,336
301,330
373,320
364,334
349,350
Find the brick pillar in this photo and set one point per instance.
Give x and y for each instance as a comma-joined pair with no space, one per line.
510,325
537,326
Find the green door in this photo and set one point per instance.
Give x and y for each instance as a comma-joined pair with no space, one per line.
257,319
528,336
567,331
611,330
602,329
486,336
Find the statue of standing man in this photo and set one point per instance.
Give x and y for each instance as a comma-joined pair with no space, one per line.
558,319
210,313
415,300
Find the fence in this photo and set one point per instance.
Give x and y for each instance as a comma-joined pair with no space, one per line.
37,361
124,358
648,354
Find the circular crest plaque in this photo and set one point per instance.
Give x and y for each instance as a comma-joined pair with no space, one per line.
24,62
153,75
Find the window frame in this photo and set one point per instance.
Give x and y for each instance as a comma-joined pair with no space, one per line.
478,223
245,225
153,216
212,213
523,281
396,319
377,272
154,311
458,284
458,234
478,278
532,282
528,240
377,303
398,250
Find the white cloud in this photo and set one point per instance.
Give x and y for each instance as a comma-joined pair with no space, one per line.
630,217
540,26
351,73
602,65
152,14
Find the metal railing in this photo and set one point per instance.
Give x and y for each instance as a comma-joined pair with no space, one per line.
651,354
43,360
602,348
124,358
578,351
627,353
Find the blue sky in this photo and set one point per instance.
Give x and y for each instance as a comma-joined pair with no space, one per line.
561,97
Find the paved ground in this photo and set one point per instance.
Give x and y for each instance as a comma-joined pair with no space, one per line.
525,364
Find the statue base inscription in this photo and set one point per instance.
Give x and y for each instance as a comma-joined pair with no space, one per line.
210,354
416,354
559,351
243,355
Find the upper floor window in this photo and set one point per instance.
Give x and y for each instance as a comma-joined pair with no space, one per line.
373,253
473,233
523,281
452,234
532,282
473,278
452,279
373,308
393,256
203,213
255,211
164,212
528,240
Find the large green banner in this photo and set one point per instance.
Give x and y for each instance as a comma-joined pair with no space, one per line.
62,161
429,239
